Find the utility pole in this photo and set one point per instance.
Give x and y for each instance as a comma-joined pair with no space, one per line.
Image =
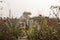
9,13
57,8
56,13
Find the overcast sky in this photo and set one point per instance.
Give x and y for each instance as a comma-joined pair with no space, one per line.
36,7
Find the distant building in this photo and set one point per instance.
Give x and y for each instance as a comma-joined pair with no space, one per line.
28,22
25,20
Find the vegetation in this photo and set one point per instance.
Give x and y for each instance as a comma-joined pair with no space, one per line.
42,28
44,33
11,31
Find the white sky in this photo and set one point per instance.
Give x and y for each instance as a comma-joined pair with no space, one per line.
34,6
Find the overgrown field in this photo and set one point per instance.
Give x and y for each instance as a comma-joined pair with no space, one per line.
46,29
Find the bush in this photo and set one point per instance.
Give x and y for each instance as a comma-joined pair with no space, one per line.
44,33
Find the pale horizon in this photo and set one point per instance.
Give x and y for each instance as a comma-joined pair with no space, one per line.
36,7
